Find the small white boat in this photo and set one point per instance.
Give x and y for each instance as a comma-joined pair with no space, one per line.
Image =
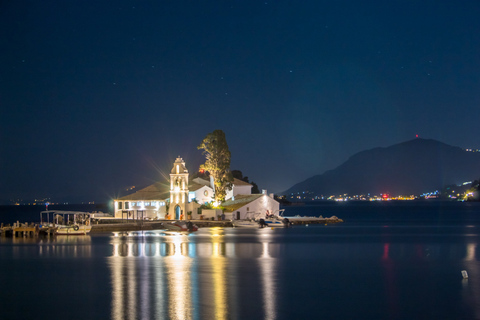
276,220
257,220
66,222
246,224
274,223
277,223
250,221
181,226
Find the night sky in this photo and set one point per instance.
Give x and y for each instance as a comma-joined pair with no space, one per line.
96,96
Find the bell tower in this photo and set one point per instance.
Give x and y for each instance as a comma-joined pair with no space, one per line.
178,189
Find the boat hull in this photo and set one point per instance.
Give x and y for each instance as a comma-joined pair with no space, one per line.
70,230
245,224
274,224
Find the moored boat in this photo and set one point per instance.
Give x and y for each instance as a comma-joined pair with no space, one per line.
66,222
257,220
277,222
181,226
246,224
251,221
73,230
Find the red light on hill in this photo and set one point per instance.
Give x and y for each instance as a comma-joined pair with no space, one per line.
385,196
201,171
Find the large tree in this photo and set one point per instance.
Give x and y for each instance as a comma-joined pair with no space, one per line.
215,149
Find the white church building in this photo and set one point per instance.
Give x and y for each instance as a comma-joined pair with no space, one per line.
182,198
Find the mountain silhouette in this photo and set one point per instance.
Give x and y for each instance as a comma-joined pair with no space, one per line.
411,167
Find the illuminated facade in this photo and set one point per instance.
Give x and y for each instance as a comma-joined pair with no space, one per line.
149,202
252,205
184,197
179,190
203,190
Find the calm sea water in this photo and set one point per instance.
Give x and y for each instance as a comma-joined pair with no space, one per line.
386,261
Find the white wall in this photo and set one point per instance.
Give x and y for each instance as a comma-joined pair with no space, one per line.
236,190
257,208
153,209
242,190
201,197
193,207
209,213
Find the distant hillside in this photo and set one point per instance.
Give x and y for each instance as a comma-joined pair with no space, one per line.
411,167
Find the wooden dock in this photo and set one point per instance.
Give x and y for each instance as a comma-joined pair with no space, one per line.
25,230
20,230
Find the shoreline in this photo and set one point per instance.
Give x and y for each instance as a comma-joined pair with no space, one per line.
106,226
119,225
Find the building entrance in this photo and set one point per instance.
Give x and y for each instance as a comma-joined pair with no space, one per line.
177,212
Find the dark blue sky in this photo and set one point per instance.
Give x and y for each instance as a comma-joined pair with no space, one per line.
98,95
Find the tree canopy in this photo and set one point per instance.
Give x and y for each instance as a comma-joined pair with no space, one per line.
239,175
215,149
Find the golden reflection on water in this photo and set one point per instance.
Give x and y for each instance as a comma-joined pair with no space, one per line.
219,274
140,268
177,267
177,277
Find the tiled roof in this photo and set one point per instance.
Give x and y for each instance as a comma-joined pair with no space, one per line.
240,201
236,182
195,186
239,182
156,191
201,181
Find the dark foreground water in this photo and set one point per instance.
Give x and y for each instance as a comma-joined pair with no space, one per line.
386,261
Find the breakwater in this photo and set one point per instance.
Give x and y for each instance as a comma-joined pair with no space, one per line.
114,225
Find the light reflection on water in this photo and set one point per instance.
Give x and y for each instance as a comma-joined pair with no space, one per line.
49,247
267,266
178,270
197,276
175,276
218,275
337,272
